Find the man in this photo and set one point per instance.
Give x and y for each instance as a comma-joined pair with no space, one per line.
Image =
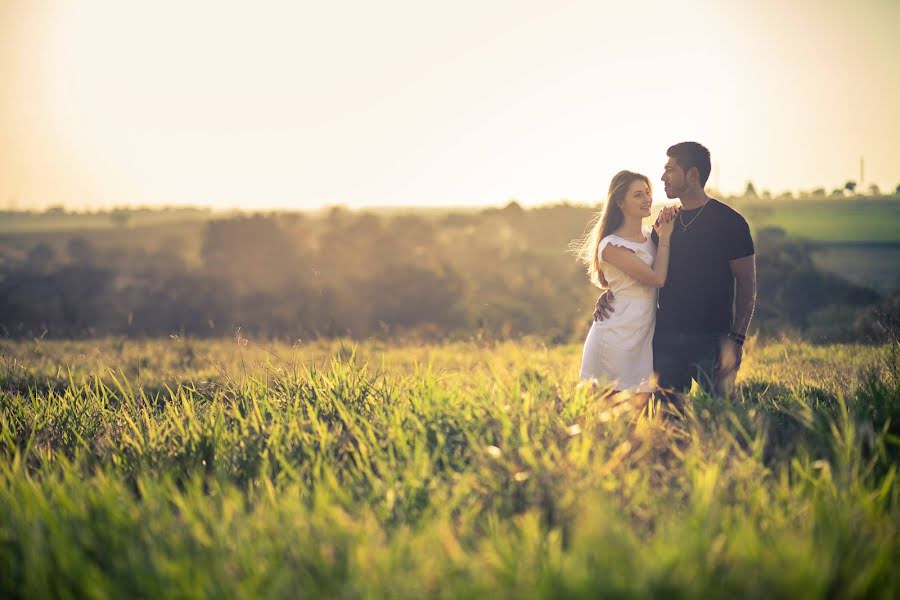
706,305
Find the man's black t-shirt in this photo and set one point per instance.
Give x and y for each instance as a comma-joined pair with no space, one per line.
698,297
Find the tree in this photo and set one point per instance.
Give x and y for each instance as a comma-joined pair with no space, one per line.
40,257
120,216
819,192
874,190
80,251
750,190
254,253
850,186
513,208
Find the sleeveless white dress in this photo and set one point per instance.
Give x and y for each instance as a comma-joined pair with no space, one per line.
619,349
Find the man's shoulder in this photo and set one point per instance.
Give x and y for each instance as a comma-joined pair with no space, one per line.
726,212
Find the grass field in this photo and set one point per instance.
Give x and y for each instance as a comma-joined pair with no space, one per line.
181,468
853,220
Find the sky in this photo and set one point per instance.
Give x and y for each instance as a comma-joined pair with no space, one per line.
306,104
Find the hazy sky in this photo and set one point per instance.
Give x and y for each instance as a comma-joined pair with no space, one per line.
301,104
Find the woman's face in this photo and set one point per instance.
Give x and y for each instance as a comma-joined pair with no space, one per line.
637,200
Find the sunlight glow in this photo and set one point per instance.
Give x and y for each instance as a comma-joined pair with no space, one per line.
290,104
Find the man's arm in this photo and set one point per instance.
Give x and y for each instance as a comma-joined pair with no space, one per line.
732,353
744,271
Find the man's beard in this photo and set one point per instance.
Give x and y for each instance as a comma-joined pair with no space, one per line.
673,193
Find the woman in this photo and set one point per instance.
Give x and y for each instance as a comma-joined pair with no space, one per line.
620,255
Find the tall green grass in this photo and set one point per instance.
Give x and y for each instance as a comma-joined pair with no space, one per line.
476,471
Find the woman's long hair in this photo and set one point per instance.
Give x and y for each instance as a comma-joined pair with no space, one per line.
604,223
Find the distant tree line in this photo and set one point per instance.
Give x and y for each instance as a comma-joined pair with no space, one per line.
850,188
498,272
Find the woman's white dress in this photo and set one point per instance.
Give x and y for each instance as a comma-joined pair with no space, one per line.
619,349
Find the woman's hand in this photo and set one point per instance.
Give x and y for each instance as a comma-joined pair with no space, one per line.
665,223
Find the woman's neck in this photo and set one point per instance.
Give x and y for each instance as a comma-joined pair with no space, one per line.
631,227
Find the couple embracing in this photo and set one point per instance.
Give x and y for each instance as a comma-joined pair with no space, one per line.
679,297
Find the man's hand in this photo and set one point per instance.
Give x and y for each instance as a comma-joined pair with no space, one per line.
729,362
604,306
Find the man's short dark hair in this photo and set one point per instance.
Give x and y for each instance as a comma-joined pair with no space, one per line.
692,154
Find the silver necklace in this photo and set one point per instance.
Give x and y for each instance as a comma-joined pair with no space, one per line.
689,223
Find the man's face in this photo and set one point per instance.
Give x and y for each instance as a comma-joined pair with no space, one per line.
674,179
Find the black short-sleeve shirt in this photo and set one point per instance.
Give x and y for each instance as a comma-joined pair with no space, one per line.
698,297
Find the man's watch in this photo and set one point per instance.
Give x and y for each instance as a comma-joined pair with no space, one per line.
737,338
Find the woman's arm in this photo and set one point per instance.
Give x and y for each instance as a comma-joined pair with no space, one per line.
634,267
631,265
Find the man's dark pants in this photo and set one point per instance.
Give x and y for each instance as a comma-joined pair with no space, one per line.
679,358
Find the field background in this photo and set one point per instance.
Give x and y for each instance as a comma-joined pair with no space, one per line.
858,238
386,404
828,272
